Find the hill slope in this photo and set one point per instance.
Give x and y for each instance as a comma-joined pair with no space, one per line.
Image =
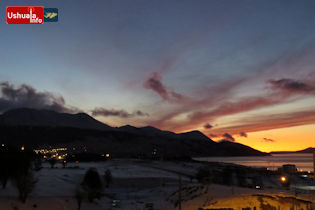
47,118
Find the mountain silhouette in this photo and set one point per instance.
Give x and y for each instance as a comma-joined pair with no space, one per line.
36,128
47,118
307,150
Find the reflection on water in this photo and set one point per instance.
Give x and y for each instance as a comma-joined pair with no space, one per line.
303,161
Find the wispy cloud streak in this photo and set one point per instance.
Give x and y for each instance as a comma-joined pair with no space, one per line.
268,122
268,140
117,113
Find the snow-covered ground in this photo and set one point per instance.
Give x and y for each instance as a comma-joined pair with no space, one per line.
262,201
136,183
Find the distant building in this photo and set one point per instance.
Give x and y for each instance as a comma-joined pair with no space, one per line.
288,169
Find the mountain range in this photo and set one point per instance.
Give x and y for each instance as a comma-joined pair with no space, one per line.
307,150
81,132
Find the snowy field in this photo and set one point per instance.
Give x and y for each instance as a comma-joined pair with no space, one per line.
136,184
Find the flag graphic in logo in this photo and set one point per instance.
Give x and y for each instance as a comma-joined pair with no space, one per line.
50,14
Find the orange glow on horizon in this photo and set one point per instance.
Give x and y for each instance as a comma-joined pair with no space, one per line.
285,139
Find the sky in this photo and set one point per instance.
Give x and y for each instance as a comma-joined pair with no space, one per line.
241,70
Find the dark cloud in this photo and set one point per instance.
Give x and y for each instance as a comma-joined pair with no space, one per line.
228,137
207,126
140,113
268,140
291,85
243,134
155,83
213,135
28,97
223,140
117,113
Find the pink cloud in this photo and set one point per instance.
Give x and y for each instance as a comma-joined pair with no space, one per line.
154,83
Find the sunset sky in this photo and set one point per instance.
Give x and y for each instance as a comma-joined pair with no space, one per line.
238,70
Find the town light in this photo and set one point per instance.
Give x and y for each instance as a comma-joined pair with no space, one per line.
283,179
